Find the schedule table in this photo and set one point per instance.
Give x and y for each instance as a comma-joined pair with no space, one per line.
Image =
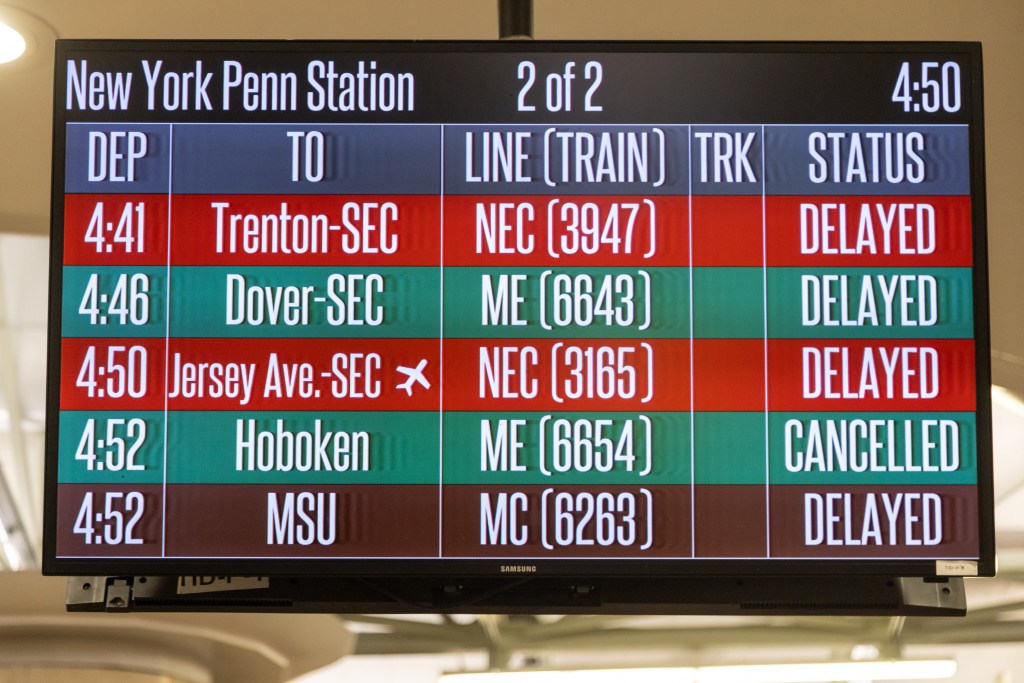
674,339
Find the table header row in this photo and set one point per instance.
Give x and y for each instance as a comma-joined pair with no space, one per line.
506,160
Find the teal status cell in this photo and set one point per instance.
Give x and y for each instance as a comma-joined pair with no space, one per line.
728,302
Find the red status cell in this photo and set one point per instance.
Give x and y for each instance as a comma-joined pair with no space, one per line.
544,374
111,374
303,374
821,375
247,520
728,231
98,520
728,374
938,522
115,229
566,521
307,230
869,231
567,231
730,521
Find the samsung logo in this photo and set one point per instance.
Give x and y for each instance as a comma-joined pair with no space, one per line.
518,569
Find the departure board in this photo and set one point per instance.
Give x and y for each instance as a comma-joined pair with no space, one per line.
518,308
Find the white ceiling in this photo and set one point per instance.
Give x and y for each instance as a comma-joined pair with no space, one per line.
25,130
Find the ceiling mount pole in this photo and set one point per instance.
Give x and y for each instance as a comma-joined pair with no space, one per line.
515,19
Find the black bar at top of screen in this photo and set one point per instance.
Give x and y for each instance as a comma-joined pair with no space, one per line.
510,82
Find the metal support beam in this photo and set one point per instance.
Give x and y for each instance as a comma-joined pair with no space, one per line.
515,19
502,638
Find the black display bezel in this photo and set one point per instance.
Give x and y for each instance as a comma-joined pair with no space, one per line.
569,567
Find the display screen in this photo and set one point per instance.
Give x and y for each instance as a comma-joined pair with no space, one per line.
518,308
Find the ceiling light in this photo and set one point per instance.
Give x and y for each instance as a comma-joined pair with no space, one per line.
747,673
12,44
26,41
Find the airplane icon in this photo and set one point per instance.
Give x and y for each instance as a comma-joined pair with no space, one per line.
415,375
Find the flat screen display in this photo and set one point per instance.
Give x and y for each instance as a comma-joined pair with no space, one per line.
518,308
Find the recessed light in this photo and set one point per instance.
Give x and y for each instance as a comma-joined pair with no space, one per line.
26,41
12,44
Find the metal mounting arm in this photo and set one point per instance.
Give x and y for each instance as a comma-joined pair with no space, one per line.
515,19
